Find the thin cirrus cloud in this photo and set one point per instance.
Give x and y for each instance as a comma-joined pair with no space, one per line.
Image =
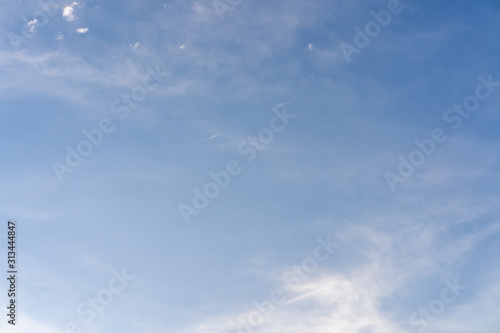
331,304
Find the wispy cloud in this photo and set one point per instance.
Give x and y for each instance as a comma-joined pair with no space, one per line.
331,303
211,137
135,46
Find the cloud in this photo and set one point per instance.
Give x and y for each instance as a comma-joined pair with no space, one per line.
310,46
32,25
82,30
211,137
331,303
69,12
61,66
135,45
60,36
399,252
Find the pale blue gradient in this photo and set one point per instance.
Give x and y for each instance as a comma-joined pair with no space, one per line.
322,175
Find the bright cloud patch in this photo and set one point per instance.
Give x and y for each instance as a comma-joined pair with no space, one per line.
69,12
329,304
82,30
31,26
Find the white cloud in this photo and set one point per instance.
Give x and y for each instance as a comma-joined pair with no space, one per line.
352,301
332,303
60,36
69,12
310,46
182,46
32,25
82,30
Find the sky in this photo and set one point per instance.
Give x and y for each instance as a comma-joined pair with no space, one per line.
236,166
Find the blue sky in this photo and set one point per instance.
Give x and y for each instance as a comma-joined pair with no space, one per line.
222,76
